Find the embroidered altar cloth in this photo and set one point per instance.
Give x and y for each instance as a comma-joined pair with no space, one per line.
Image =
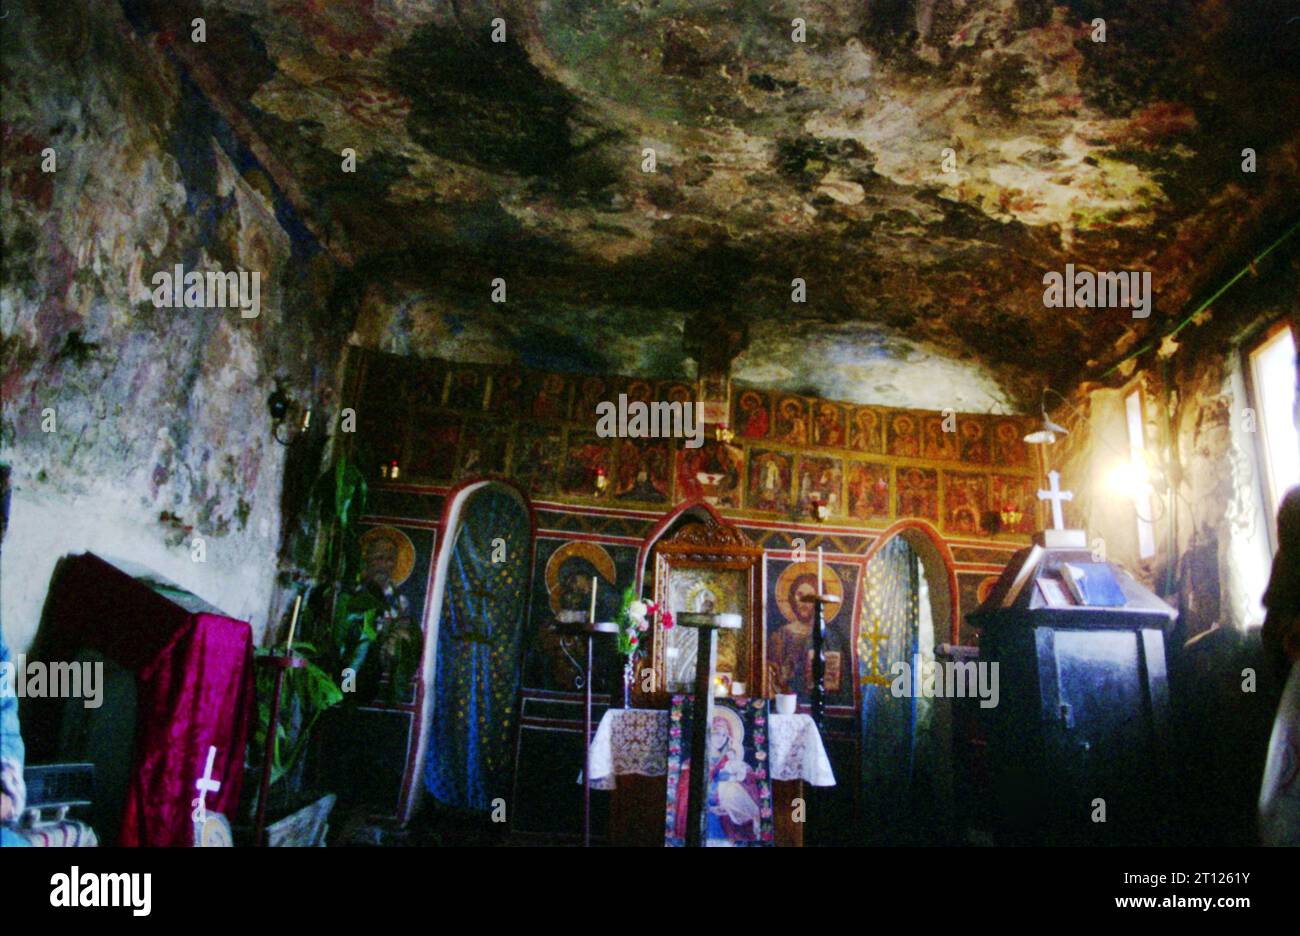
635,741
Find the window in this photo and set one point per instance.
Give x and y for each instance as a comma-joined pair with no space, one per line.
1273,380
1137,457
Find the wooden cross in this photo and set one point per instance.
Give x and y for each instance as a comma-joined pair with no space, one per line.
706,658
1056,495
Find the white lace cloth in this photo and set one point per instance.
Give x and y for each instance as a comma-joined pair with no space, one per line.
635,741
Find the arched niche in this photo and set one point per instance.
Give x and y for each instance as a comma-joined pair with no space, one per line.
907,756
455,511
940,569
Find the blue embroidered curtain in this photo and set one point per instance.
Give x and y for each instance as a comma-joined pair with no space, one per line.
476,675
887,635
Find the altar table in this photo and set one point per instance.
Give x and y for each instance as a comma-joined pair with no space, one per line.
629,756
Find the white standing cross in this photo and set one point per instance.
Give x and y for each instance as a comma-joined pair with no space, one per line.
206,784
1056,495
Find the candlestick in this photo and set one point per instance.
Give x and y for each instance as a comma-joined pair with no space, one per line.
819,602
819,570
293,621
595,583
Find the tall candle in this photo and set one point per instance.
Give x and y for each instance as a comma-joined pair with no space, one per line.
595,583
819,570
293,621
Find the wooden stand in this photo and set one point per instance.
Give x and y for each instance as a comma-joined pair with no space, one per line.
706,658
819,603
576,624
282,664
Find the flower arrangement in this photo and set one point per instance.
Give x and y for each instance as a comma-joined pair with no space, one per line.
634,617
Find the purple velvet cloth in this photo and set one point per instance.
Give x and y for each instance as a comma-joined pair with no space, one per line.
196,694
194,689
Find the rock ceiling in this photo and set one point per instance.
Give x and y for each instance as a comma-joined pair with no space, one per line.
774,159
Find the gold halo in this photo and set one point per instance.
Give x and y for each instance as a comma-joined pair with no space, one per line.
405,550
693,594
785,584
735,727
592,552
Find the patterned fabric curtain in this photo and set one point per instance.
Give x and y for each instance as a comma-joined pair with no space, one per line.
477,666
888,635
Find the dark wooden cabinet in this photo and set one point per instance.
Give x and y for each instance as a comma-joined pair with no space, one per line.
1078,744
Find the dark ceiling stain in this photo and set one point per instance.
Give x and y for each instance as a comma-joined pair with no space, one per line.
484,102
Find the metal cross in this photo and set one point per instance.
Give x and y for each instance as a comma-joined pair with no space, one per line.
206,784
1056,495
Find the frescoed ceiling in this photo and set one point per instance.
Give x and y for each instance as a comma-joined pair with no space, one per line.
774,159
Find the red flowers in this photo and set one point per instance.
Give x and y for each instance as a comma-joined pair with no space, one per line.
666,616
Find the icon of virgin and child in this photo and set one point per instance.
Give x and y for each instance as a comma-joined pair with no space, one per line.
734,811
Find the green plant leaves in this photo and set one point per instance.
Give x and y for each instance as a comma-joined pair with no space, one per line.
338,613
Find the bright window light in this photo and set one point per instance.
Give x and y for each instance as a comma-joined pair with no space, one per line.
1140,483
1273,374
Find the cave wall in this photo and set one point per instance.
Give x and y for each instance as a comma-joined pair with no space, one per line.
131,430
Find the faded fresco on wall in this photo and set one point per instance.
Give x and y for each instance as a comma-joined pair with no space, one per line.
867,484
972,439
966,503
1015,495
918,493
537,458
865,432
904,435
819,483
161,431
713,472
643,471
769,481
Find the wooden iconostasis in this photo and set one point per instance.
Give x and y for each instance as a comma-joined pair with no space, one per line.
877,470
